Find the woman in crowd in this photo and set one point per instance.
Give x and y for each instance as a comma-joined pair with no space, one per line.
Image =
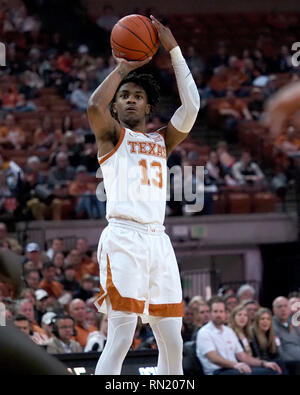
239,322
264,343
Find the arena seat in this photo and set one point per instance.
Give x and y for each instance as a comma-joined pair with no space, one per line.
239,203
264,202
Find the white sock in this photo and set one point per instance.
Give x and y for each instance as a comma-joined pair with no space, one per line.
121,328
167,332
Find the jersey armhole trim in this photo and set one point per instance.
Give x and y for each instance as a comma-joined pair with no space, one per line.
162,131
105,157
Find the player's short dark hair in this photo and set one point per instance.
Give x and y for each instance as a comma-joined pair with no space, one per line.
145,81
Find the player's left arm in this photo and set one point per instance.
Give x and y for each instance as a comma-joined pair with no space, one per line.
185,116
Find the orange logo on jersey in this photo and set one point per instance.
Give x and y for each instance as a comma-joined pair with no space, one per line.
147,148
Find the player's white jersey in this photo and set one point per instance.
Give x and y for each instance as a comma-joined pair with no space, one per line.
135,177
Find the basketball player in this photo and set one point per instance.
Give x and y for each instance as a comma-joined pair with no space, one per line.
138,269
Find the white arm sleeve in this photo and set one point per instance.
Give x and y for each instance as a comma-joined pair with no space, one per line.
185,116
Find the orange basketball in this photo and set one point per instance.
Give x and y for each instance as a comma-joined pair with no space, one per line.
134,38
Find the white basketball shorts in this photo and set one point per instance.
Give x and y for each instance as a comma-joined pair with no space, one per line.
138,270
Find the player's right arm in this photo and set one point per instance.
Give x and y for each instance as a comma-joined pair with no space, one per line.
105,127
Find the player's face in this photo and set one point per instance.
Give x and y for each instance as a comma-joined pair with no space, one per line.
131,104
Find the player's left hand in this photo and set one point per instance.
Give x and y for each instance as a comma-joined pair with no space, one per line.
164,34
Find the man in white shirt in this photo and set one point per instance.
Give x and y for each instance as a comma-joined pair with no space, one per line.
220,352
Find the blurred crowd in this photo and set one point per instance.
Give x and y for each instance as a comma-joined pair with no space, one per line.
49,172
55,308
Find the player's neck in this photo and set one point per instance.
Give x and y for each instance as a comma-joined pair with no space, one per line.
140,126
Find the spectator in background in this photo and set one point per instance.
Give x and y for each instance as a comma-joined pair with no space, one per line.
263,342
13,244
41,297
63,331
77,311
73,148
32,279
11,135
236,77
256,104
91,316
220,352
247,172
252,308
23,105
62,174
232,110
86,265
58,262
68,281
220,58
226,160
187,323
57,245
26,307
67,124
288,334
23,323
65,61
46,323
48,283
33,254
294,301
85,290
194,60
108,19
219,82
84,128
9,98
96,340
84,192
201,318
215,170
284,60
239,322
44,137
245,292
231,301
80,96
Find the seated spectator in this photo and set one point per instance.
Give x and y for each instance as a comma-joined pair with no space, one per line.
194,60
90,315
252,308
201,318
73,149
249,70
65,61
58,262
48,283
289,335
45,135
11,135
108,19
10,98
85,290
23,105
86,200
294,301
232,110
68,281
46,323
80,96
88,158
284,60
86,265
239,322
245,292
288,142
77,310
23,323
63,331
256,104
96,340
62,174
236,77
33,254
220,352
41,304
226,160
247,172
219,82
231,301
215,170
188,327
57,245
13,244
26,307
264,343
32,279
220,58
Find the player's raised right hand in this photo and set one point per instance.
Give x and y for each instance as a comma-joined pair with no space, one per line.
126,66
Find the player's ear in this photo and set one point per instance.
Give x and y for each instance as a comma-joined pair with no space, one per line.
148,109
114,109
